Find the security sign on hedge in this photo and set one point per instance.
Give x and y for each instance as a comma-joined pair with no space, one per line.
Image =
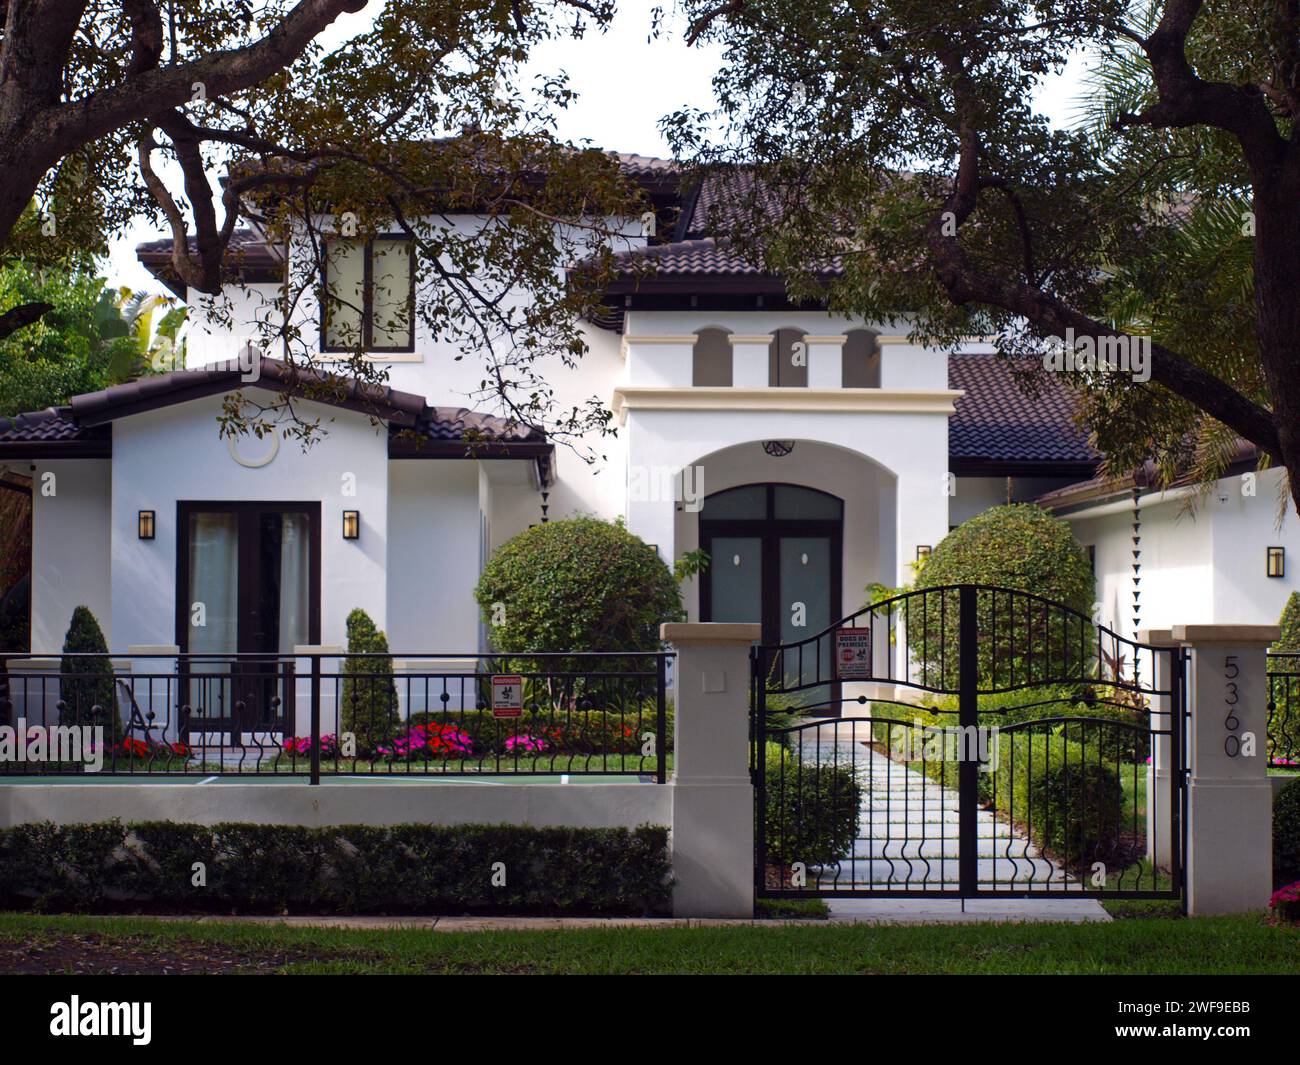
853,654
507,696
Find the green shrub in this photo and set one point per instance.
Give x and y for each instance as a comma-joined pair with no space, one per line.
1286,835
1284,689
404,869
579,584
370,708
86,683
1023,548
811,809
1071,806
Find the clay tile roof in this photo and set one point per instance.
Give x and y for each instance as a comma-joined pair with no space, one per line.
83,427
248,257
996,422
53,429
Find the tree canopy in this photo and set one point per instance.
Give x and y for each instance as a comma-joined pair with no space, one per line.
420,114
893,156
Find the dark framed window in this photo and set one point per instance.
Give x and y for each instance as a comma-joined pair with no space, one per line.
247,584
369,294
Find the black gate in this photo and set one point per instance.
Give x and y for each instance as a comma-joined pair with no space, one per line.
968,741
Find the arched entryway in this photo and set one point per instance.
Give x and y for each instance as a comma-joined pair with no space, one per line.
776,558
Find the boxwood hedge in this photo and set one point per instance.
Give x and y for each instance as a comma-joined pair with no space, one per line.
348,869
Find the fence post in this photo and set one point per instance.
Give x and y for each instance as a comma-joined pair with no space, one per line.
1162,784
1229,800
315,719
713,796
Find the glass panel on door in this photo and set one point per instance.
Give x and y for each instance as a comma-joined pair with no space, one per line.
736,579
805,605
212,610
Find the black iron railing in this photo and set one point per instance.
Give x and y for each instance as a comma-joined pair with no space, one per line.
319,714
1284,710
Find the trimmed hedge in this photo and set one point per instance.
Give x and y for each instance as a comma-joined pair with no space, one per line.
1286,835
348,869
812,810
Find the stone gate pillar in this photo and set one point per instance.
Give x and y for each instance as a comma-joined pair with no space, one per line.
1230,802
713,799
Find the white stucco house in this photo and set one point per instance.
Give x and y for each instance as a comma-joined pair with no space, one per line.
804,482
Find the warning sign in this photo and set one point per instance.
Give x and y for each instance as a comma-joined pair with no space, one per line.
853,654
507,696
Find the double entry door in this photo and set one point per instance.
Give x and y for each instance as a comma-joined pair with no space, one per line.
248,585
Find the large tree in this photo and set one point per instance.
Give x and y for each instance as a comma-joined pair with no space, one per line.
417,115
894,155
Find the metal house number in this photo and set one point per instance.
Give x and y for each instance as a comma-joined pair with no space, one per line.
1231,671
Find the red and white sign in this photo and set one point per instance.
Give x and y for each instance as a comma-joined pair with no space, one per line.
853,654
507,696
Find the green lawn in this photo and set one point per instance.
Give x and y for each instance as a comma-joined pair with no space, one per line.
1150,946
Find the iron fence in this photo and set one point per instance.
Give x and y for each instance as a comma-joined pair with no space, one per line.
315,715
1284,709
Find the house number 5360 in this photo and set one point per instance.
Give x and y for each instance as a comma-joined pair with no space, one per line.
1231,671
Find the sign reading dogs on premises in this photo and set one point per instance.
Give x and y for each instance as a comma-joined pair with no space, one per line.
853,654
507,696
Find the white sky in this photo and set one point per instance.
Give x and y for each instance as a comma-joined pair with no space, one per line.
625,85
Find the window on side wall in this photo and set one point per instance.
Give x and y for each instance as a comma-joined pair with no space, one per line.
369,295
711,359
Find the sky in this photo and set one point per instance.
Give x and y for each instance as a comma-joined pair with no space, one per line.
625,85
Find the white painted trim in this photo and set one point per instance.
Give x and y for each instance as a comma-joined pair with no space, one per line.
811,400
687,338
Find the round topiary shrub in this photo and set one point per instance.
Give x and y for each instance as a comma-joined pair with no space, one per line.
1286,835
1021,640
579,584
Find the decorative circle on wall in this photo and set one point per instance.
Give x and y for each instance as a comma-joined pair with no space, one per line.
256,461
778,448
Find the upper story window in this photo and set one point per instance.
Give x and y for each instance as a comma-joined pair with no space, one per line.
369,295
711,358
787,360
861,365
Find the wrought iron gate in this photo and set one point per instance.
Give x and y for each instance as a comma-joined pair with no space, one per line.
968,741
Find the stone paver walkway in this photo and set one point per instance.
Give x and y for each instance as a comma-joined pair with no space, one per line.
908,840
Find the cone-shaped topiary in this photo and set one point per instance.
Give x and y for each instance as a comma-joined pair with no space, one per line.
579,584
86,683
370,710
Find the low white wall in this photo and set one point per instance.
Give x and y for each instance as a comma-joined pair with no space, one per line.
294,802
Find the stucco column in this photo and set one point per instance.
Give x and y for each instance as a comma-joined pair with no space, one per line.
825,361
1230,802
1160,782
713,798
749,355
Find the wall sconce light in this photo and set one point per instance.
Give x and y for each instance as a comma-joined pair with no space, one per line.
923,552
351,524
145,524
1276,565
